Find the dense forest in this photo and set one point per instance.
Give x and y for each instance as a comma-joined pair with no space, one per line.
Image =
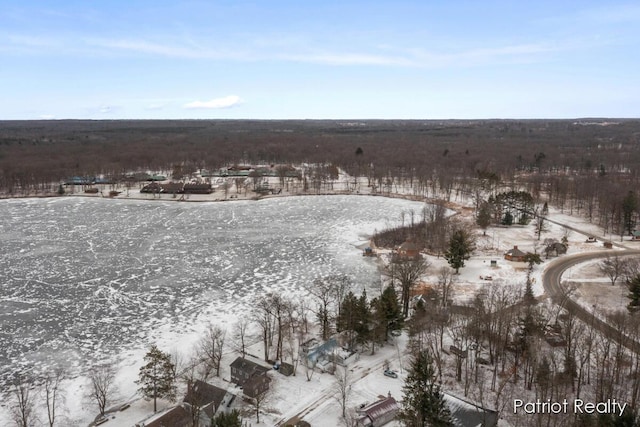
586,165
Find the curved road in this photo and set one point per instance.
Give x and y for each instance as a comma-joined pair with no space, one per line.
551,281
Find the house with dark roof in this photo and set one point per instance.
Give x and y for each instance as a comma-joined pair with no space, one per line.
178,416
195,188
378,413
153,188
465,413
515,255
256,385
172,188
251,376
206,396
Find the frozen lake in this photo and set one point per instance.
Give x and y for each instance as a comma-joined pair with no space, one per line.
84,279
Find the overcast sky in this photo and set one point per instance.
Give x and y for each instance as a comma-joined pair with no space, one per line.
326,59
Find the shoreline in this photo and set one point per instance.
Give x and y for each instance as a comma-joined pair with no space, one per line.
201,198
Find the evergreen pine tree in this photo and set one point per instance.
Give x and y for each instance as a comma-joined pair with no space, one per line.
391,312
460,248
423,404
156,378
629,208
363,319
348,316
531,259
378,326
634,291
528,297
484,216
545,209
508,219
227,419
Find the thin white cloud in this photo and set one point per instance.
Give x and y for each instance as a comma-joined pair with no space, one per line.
142,46
217,103
348,59
612,14
171,50
380,54
156,106
31,41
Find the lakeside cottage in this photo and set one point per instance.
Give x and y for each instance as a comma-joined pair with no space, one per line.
178,416
207,397
325,355
465,413
515,255
378,413
407,250
250,376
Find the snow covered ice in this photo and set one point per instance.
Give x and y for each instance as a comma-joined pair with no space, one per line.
85,279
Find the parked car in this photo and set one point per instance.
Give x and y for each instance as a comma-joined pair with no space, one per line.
390,373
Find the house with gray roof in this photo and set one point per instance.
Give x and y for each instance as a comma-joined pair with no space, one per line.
205,396
515,255
465,413
251,376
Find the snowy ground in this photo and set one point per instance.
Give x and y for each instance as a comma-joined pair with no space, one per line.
88,279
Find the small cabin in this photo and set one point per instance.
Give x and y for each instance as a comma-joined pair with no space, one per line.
515,255
409,249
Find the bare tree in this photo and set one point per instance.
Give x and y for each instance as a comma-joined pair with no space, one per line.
263,317
240,335
280,309
259,400
211,346
52,393
325,292
292,333
540,221
226,185
303,312
613,267
239,183
445,285
341,285
406,272
23,404
631,269
177,362
102,385
308,367
342,388
194,372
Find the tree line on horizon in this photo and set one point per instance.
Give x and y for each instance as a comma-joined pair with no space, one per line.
584,166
